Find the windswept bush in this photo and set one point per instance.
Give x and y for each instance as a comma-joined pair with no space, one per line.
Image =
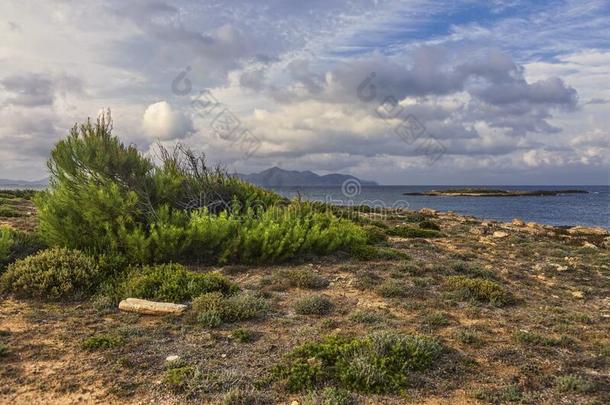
212,309
106,198
377,363
52,274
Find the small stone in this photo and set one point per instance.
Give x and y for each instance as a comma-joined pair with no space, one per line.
518,222
294,403
500,234
589,245
172,358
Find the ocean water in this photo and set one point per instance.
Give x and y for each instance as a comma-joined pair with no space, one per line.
590,209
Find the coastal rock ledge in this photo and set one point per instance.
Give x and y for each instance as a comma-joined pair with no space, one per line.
151,307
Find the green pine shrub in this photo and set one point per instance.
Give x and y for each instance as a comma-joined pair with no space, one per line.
172,283
212,309
52,274
377,363
102,342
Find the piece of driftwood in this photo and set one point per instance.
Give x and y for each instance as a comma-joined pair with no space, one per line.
151,307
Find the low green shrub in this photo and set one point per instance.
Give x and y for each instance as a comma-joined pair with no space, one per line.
435,320
178,378
330,396
377,363
392,289
410,232
15,245
295,278
573,383
173,283
367,317
7,211
478,289
212,309
468,337
313,305
367,252
52,274
3,350
536,339
429,225
238,396
102,342
374,234
243,335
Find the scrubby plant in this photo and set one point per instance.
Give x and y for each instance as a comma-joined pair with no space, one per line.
313,305
102,342
212,309
367,317
375,234
3,350
295,278
533,338
478,289
330,396
377,363
410,232
52,274
392,289
573,383
238,396
172,282
243,335
367,252
15,245
178,378
429,225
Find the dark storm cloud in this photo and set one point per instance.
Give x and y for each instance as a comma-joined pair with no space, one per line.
35,90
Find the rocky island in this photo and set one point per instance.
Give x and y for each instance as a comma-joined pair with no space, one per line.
485,192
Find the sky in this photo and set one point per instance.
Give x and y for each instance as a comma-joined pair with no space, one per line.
400,92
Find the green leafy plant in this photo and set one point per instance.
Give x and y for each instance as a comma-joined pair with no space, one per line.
429,225
52,274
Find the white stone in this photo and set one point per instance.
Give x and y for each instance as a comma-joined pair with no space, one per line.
151,307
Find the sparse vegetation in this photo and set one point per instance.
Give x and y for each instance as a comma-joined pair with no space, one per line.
295,278
573,383
392,289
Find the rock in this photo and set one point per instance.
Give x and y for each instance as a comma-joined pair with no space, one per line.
518,222
172,358
606,242
428,211
151,307
589,245
532,225
500,234
585,230
476,230
486,224
578,294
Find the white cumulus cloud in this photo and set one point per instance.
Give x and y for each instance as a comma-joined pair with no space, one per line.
162,122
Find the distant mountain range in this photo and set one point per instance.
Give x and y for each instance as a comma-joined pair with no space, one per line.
276,177
24,183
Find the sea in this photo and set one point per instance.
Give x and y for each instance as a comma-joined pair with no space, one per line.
590,209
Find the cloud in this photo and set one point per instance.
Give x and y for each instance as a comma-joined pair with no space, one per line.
35,89
161,122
